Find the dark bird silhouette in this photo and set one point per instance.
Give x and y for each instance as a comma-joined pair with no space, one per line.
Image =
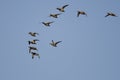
61,9
33,41
32,48
47,23
54,44
35,54
81,12
110,14
54,15
33,34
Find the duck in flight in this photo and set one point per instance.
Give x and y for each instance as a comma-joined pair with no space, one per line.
54,44
35,54
33,41
81,12
110,14
33,34
47,23
32,48
55,15
61,9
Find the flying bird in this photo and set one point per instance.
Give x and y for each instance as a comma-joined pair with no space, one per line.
35,54
33,34
61,9
33,41
47,23
32,48
54,44
81,12
110,14
54,15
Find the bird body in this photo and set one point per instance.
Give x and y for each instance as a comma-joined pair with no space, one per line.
33,41
110,14
32,48
54,15
47,23
33,34
35,54
54,44
81,12
61,9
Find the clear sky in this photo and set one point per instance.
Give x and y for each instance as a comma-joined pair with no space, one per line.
90,47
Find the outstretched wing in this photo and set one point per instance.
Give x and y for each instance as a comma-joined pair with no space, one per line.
107,15
58,14
29,42
50,22
29,50
35,40
37,33
38,56
85,13
57,42
78,13
32,56
65,6
113,15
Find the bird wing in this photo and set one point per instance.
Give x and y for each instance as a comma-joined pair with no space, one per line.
38,56
50,22
37,33
29,42
57,42
43,23
29,50
32,56
58,14
52,41
78,13
85,14
106,15
35,40
114,14
65,6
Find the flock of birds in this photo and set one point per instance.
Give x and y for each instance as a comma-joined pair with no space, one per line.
34,41
47,24
62,9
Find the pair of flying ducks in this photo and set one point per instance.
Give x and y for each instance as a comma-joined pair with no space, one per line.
61,9
33,53
108,14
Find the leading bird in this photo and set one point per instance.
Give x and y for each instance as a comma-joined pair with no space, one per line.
61,9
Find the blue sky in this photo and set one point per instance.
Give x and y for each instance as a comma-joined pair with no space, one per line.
90,44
